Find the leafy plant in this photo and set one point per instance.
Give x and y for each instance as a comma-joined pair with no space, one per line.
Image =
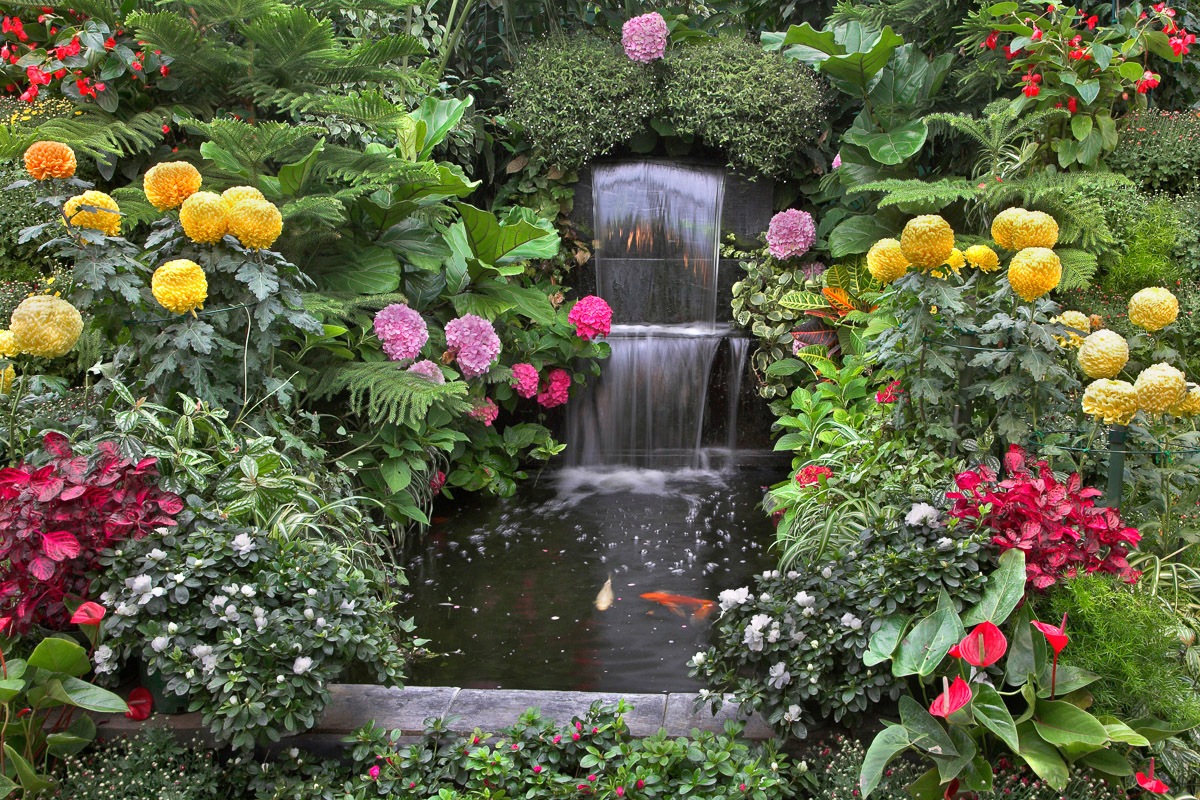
148,766
1156,151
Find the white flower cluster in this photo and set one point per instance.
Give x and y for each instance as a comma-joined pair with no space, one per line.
761,630
923,514
733,597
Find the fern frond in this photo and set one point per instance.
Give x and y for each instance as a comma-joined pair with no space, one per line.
220,12
97,134
370,108
350,308
385,393
927,194
315,209
1079,268
255,146
135,208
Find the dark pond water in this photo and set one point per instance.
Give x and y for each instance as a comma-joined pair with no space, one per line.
509,587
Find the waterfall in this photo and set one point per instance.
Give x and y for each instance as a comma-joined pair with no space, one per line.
657,230
739,348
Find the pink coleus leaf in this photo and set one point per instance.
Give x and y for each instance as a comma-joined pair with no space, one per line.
42,568
60,545
57,445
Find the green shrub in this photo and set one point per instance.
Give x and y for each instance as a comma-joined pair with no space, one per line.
762,109
1159,151
149,766
1187,239
1147,257
835,767
577,97
21,262
1131,640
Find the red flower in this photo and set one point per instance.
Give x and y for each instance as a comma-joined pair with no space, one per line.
1149,81
812,474
1031,90
140,704
954,697
951,790
1037,34
30,94
1009,55
110,43
1092,21
1056,637
36,76
88,613
983,646
1179,44
991,40
889,394
164,70
1072,106
1076,55
1150,783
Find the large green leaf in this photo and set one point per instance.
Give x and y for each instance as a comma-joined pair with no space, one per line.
544,247
927,643
30,780
856,235
364,270
807,36
489,240
1026,652
803,301
435,119
885,640
990,712
887,744
1108,762
416,242
1118,731
1060,723
529,302
855,71
950,767
10,688
893,146
81,694
78,735
924,731
1042,757
1155,730
1004,590
1066,681
60,655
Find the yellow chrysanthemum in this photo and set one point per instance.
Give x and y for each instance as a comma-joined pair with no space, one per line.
1159,387
256,223
1103,354
1189,406
1034,229
1114,402
8,344
885,261
168,184
1002,226
927,241
1073,319
982,258
955,261
49,160
236,194
1153,309
45,326
1033,272
204,217
180,286
7,376
105,216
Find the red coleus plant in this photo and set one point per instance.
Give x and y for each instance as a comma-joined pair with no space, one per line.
55,517
1057,525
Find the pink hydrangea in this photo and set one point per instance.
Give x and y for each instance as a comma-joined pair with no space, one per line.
791,233
474,342
437,481
555,392
525,380
429,370
401,330
591,317
486,412
645,38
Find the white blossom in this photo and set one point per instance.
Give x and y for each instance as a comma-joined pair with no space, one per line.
156,555
733,597
945,543
160,643
792,714
852,622
104,659
805,600
778,677
698,659
922,514
243,545
827,573
303,664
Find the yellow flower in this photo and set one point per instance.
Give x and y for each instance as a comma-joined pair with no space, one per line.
256,223
8,344
885,261
237,194
982,258
1153,309
1073,319
927,241
955,261
1159,387
204,217
1033,272
7,376
45,326
1103,354
180,286
49,160
1002,226
1114,402
168,184
1034,229
1189,406
106,216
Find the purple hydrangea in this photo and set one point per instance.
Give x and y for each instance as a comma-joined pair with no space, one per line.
791,233
474,342
645,38
402,331
428,369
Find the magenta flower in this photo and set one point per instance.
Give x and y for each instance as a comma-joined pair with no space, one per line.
837,161
591,317
428,369
374,772
474,343
791,233
525,380
645,38
486,412
437,481
401,330
555,392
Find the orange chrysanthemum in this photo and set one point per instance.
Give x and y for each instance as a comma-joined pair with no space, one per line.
49,160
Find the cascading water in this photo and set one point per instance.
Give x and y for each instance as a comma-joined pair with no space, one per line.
657,228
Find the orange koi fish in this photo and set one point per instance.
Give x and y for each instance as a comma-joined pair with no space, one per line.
682,605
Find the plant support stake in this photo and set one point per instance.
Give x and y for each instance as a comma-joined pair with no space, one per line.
1116,464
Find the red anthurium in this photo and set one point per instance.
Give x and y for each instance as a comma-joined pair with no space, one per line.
954,697
983,646
1150,783
88,613
140,704
1056,637
951,790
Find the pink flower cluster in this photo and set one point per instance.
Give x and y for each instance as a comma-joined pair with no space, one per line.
474,343
791,233
645,37
428,369
525,380
889,394
486,412
555,392
812,474
401,330
591,317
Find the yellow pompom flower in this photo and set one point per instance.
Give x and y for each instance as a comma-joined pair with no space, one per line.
1073,319
1114,402
105,216
236,194
1153,309
982,258
1034,229
8,344
168,184
7,376
927,241
886,261
956,261
1033,272
180,286
49,160
1159,387
1103,354
204,217
45,326
1189,406
256,223
1002,226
